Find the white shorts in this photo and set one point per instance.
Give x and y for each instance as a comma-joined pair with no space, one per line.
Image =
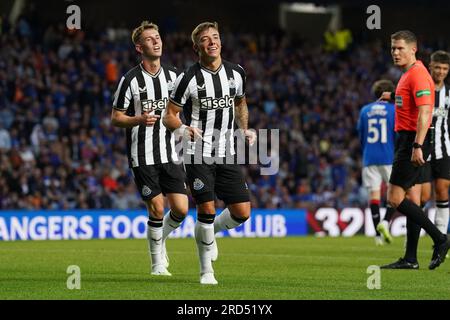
373,176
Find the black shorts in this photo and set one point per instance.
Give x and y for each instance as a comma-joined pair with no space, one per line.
404,173
437,169
153,179
427,175
224,180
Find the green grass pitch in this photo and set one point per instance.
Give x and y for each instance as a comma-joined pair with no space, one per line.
283,268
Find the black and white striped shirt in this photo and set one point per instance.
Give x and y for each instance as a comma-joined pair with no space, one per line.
140,91
441,146
207,99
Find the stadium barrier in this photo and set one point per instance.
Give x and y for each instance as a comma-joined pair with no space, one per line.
352,221
116,224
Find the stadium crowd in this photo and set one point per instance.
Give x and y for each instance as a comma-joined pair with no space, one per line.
58,149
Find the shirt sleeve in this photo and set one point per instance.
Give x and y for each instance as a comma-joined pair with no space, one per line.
360,129
240,90
181,91
123,95
422,89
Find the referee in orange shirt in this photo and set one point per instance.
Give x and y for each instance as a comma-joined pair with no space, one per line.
414,101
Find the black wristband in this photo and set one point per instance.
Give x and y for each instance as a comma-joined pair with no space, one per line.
416,145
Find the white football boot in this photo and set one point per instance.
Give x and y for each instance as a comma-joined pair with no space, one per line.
208,278
160,270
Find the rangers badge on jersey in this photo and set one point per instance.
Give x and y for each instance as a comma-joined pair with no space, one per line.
198,184
146,191
232,83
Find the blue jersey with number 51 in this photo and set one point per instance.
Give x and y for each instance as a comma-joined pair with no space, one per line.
376,133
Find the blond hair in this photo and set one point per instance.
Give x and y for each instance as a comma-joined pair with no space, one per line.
136,35
202,27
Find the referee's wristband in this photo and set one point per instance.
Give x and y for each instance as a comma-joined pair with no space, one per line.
392,96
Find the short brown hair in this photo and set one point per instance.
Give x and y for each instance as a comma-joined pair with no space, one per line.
136,35
406,35
440,56
381,86
202,27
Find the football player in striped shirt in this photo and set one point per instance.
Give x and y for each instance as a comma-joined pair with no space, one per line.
211,93
438,169
139,103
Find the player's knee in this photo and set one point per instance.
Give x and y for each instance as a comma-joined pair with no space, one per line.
375,193
156,211
442,190
207,212
441,195
242,217
180,210
424,199
206,208
394,201
159,214
395,196
179,205
241,212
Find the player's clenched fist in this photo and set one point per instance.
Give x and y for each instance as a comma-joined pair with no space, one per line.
190,132
149,119
250,136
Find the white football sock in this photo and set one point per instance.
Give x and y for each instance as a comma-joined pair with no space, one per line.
224,221
442,215
204,236
154,237
169,224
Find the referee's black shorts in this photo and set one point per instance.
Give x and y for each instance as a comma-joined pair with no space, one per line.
404,173
226,181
